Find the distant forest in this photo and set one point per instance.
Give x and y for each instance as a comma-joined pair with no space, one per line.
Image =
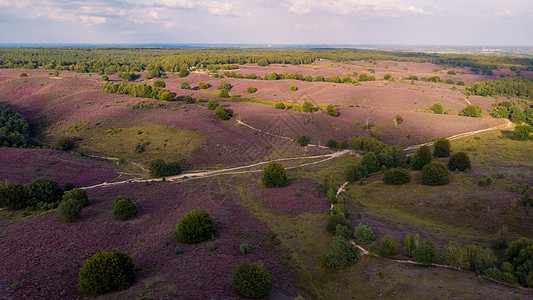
155,60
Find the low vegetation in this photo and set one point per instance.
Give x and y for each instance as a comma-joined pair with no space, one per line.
194,227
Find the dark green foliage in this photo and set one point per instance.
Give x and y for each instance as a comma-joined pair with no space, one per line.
251,280
185,86
77,195
333,221
159,84
343,231
134,89
222,113
399,119
224,86
188,99
69,210
396,176
330,110
387,246
388,76
223,93
522,132
15,131
364,234
501,276
13,196
472,110
251,90
178,251
341,253
518,116
262,62
127,76
23,74
244,249
335,145
303,140
366,144
487,180
436,79
422,157
308,107
426,254
68,186
64,144
123,208
437,108
327,183
279,105
166,96
443,148
106,271
293,88
462,83
331,196
212,104
520,255
194,227
435,174
408,245
356,172
183,72
449,81
514,87
158,168
202,85
366,77
459,161
43,190
456,255
370,162
105,78
398,155
385,160
451,72
274,175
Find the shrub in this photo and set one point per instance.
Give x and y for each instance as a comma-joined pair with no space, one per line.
343,231
308,107
185,86
365,77
399,119
455,255
364,234
13,196
123,208
451,72
334,144
244,249
435,174
166,96
188,99
341,253
521,132
396,176
202,85
303,140
462,83
370,162
224,86
459,161
330,110
251,280
68,186
366,144
422,157
251,90
387,246
449,81
212,104
263,62
105,78
443,148
279,105
356,172
387,76
69,211
487,180
426,254
158,168
472,110
43,190
408,245
498,275
274,175
385,160
333,221
437,108
194,226
23,74
178,250
106,271
222,113
293,88
223,93
159,84
77,195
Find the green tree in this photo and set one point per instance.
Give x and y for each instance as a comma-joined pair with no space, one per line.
408,245
521,132
396,176
455,255
399,119
364,234
194,227
459,161
69,211
251,280
183,72
334,220
426,254
223,93
330,110
274,175
185,86
159,84
370,162
279,105
202,85
303,140
13,196
166,96
518,116
472,110
341,253
437,108
387,246
77,195
224,86
262,62
308,107
293,88
435,174
422,157
43,190
356,172
123,208
106,271
251,90
443,148
222,113
212,104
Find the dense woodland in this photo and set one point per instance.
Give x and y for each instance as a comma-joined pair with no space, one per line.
111,60
15,131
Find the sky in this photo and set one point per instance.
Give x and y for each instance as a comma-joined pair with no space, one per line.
354,22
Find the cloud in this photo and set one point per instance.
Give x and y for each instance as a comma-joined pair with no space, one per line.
218,8
178,3
353,7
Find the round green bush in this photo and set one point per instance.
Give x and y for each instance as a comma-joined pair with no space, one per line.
437,108
68,186
43,190
364,234
78,195
194,226
244,248
251,280
251,90
274,175
303,140
106,271
388,246
221,113
279,105
166,96
223,93
422,157
202,85
123,208
459,161
212,104
435,174
396,176
308,107
293,88
159,84
333,221
69,211
370,161
443,148
426,254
